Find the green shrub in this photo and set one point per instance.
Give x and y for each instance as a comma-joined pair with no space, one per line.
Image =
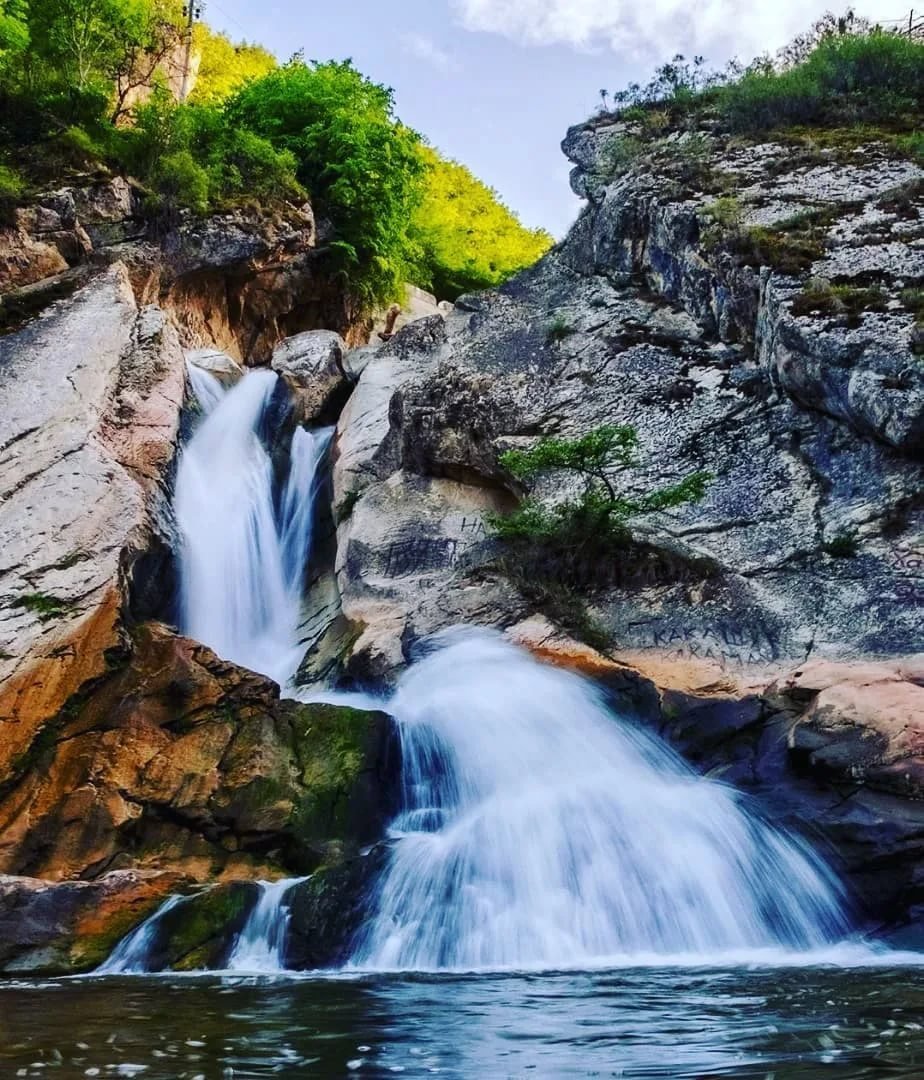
79,148
874,77
246,164
726,212
845,545
12,185
12,189
181,182
361,166
820,297
558,329
913,301
789,246
619,155
464,237
912,145
842,73
572,542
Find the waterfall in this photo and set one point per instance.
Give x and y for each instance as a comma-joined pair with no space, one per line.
260,946
538,830
245,545
132,955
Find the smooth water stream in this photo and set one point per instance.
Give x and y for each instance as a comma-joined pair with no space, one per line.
246,540
260,947
540,831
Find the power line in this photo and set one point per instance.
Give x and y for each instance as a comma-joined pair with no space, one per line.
228,15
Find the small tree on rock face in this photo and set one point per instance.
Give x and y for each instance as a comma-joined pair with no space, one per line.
572,541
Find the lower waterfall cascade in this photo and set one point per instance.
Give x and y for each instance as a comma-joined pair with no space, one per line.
537,830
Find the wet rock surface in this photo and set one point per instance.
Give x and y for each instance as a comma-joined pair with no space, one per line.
68,928
807,550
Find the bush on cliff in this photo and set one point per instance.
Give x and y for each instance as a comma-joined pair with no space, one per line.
362,167
847,78
844,71
572,541
87,82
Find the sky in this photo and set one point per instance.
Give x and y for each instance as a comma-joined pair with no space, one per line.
496,83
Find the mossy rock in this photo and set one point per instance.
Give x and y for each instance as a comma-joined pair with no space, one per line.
348,762
329,910
200,932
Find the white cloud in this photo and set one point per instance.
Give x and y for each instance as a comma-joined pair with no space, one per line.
426,49
650,28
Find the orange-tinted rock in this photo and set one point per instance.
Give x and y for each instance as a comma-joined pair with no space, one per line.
177,759
859,723
73,927
91,398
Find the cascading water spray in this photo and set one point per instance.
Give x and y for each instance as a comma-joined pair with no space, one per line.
260,947
539,831
244,551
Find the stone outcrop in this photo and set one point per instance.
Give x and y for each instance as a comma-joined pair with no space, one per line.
806,553
226,370
239,281
91,397
850,217
311,365
178,759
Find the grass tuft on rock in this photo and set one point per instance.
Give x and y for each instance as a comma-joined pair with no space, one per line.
820,297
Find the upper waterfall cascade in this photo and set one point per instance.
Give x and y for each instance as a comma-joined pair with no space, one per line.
246,540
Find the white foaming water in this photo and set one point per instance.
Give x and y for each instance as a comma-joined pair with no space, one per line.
260,947
540,831
243,560
207,388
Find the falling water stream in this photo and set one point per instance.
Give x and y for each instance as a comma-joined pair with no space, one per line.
540,831
537,830
245,539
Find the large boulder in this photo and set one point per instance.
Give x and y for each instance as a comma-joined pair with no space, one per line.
311,365
72,927
859,724
225,369
176,759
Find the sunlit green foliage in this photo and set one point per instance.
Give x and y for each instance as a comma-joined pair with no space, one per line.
466,238
225,67
360,165
843,71
14,30
86,83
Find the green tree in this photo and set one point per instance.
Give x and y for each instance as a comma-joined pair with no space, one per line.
466,237
14,30
572,540
360,165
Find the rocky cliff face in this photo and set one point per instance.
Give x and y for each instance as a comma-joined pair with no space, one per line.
747,309
131,757
241,280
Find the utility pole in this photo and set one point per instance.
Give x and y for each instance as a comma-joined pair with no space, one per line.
192,11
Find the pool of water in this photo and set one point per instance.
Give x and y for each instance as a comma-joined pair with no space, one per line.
781,1023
